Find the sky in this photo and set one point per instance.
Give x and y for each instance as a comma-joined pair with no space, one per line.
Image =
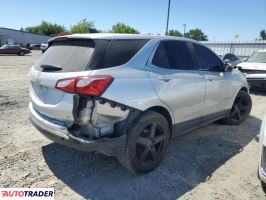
219,19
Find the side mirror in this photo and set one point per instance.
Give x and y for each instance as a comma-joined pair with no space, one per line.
228,67
245,59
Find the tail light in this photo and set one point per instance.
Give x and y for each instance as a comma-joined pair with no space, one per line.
88,85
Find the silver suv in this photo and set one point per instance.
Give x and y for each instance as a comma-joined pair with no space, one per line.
128,95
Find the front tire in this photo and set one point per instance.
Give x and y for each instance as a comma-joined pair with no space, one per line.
240,109
147,143
21,53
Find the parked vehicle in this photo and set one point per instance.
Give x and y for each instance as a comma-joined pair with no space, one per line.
44,47
231,58
262,157
14,49
254,69
128,95
35,47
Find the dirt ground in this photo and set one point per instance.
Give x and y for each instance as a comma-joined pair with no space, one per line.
213,162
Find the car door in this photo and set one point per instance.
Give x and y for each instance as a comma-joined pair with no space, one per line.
14,49
178,83
219,88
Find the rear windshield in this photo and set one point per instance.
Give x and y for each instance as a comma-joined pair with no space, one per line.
69,55
80,55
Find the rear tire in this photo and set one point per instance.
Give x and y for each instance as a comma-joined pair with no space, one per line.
147,143
240,109
21,53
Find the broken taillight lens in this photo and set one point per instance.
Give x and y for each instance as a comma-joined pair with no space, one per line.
88,85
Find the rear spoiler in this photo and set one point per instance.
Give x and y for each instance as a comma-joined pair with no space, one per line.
66,38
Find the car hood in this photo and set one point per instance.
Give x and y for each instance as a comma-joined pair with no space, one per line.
252,65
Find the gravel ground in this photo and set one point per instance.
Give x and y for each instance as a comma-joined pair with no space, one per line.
213,162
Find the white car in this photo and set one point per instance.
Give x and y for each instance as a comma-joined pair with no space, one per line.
254,69
262,150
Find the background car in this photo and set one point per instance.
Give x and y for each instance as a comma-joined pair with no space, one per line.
35,47
128,95
262,155
254,69
231,58
43,47
14,49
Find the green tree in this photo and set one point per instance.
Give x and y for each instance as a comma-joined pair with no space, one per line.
122,28
175,33
46,28
82,27
196,34
263,35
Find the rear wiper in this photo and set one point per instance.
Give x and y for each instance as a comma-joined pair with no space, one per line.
51,68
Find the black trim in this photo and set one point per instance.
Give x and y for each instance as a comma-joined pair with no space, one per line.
185,127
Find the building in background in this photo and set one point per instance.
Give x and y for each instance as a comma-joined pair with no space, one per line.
17,37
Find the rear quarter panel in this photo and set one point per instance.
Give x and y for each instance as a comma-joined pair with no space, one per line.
132,85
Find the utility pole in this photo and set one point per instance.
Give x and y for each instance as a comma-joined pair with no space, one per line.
184,30
169,5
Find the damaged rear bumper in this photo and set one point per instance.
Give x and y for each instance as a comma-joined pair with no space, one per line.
59,133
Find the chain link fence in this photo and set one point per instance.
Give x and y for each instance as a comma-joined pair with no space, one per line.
240,48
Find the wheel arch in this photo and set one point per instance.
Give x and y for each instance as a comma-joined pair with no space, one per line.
244,89
163,111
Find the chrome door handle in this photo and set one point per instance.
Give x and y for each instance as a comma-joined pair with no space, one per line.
164,78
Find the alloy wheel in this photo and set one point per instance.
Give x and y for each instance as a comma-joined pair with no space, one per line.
240,108
150,143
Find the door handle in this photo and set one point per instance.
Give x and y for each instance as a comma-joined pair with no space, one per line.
164,78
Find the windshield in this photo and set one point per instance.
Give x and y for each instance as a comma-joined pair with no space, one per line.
258,57
4,47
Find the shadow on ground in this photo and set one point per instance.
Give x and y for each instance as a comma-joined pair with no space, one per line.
191,159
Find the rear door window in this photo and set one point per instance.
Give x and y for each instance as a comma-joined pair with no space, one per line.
179,55
160,58
173,55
